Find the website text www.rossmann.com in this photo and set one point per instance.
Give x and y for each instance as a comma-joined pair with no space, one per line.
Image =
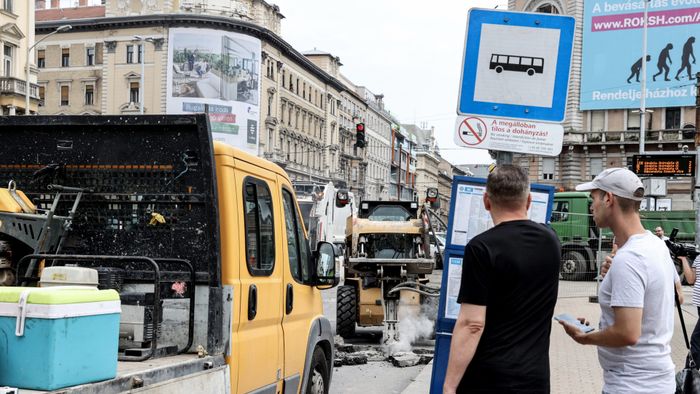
635,95
636,20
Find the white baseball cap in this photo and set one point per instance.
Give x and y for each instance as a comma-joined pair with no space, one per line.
618,181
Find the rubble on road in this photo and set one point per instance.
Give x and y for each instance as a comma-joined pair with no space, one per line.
349,359
350,354
404,359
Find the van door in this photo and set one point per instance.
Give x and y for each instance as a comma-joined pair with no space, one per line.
260,330
302,302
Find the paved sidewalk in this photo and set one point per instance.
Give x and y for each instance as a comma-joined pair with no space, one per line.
575,368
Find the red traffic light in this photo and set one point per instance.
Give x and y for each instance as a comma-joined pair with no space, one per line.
360,127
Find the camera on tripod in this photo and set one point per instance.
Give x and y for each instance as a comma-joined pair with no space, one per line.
679,249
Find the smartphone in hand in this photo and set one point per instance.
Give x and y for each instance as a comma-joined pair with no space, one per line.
568,319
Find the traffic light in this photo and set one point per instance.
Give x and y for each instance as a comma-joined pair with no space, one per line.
360,134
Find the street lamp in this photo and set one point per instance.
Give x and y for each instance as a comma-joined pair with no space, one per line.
642,100
59,29
142,52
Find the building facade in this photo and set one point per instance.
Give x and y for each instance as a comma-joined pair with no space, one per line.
295,109
378,135
16,36
598,139
402,181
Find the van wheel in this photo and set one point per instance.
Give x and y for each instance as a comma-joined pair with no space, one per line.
499,69
530,72
346,311
573,265
318,374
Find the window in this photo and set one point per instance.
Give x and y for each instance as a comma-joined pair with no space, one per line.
41,58
547,9
673,118
134,92
65,57
129,53
259,228
89,95
297,243
140,48
42,94
560,213
90,56
633,120
7,61
548,168
596,166
64,95
7,5
597,121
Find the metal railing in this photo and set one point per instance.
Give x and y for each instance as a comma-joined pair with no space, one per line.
584,248
663,135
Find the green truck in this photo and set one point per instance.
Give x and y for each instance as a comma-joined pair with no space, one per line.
579,236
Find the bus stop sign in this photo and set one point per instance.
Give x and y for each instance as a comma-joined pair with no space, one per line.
516,65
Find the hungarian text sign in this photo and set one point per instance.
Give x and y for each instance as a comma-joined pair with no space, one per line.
509,135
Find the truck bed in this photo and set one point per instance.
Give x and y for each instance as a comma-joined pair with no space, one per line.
185,373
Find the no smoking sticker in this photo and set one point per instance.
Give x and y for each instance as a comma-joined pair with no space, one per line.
472,131
508,135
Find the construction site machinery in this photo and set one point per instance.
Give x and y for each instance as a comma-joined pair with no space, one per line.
387,258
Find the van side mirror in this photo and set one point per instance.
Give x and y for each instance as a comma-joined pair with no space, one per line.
323,271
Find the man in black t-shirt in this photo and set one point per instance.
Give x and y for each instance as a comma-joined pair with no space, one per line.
510,277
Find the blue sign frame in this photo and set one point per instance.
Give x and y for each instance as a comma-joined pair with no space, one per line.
476,19
444,325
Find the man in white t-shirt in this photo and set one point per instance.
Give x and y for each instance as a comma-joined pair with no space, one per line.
636,296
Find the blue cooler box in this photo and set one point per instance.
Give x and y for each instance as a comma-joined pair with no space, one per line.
57,337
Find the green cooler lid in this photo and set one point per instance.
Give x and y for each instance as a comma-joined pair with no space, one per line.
57,295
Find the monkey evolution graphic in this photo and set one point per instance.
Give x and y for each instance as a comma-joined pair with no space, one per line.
664,62
612,58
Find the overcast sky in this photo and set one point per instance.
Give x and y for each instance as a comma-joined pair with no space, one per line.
408,50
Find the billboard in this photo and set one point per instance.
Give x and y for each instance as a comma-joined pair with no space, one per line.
217,72
612,53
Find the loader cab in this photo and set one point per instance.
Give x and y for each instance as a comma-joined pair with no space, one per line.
388,211
280,340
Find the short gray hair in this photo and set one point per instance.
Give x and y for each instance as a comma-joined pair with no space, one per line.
508,186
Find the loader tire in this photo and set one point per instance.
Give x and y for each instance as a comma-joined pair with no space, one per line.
346,311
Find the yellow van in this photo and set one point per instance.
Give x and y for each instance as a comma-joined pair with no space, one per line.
264,248
156,187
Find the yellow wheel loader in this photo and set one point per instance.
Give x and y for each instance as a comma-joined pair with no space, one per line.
387,258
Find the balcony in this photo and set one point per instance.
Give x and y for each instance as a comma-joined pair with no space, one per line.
17,87
632,136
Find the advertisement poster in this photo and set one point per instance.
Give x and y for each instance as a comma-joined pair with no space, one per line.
612,53
218,73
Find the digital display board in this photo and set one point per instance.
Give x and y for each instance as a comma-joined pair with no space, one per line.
664,165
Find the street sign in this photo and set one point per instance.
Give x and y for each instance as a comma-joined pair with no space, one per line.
509,135
664,165
516,65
